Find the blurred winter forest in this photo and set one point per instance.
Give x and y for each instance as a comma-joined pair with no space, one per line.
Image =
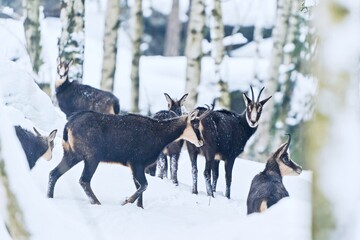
305,53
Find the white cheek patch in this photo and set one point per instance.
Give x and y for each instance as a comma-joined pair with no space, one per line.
48,154
253,115
189,135
286,170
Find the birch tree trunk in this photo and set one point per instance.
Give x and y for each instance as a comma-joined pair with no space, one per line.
32,32
258,37
173,28
286,82
333,136
72,39
193,50
136,33
259,143
14,219
110,45
217,52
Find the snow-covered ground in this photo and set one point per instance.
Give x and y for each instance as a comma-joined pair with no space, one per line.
170,212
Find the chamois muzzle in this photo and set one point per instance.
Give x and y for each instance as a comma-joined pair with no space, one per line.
298,170
200,143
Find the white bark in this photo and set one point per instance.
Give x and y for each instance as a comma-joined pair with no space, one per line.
193,50
136,33
173,29
261,138
110,45
32,32
72,39
217,52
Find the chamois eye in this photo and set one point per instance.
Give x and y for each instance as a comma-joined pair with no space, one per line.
285,158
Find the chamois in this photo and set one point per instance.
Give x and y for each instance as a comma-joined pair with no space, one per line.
173,149
267,187
225,134
35,146
74,96
132,140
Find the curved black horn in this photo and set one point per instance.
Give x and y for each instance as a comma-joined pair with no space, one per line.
252,93
258,99
207,112
288,142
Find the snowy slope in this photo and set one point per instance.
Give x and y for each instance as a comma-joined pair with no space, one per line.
170,212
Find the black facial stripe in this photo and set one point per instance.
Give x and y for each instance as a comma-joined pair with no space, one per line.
197,133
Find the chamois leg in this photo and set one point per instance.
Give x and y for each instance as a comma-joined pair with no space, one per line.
140,183
85,179
139,201
207,175
215,174
229,164
194,169
67,162
174,159
162,166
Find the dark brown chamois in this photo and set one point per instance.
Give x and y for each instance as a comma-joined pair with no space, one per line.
225,134
75,97
173,149
132,140
35,146
267,187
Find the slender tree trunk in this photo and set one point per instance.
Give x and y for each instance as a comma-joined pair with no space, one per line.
72,39
32,32
259,144
14,219
258,37
172,38
110,45
286,83
136,33
193,50
333,136
217,53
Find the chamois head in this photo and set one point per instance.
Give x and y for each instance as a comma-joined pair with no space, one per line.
174,104
62,71
286,165
193,133
254,108
49,140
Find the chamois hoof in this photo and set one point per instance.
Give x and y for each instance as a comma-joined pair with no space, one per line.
124,202
194,192
95,202
140,205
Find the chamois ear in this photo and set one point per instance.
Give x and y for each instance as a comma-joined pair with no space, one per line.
52,135
284,147
247,100
168,99
183,98
264,101
37,132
